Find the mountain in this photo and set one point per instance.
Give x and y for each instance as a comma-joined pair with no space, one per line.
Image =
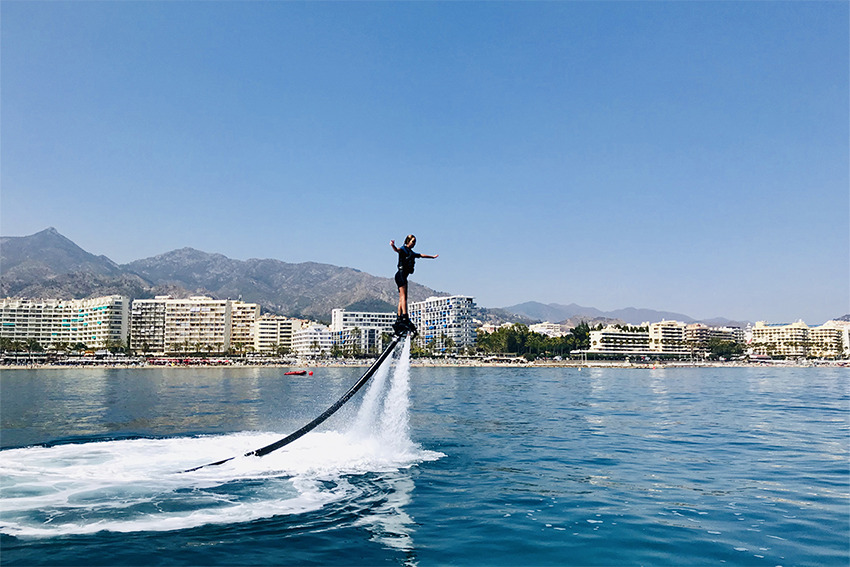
559,313
48,253
306,289
47,264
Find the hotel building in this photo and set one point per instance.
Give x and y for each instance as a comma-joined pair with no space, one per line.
196,324
665,339
273,333
57,323
612,340
797,340
444,321
668,337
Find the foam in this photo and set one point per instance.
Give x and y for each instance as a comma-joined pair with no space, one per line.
136,485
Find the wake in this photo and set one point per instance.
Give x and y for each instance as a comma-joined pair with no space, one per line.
134,485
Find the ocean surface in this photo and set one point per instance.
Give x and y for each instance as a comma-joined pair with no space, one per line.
427,466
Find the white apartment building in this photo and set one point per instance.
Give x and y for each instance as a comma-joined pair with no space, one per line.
549,329
360,332
780,340
355,341
612,340
147,325
830,340
273,333
61,323
342,319
795,340
243,321
440,319
196,324
668,337
313,341
700,334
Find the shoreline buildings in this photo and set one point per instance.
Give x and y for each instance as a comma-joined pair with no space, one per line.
97,323
797,340
664,339
165,325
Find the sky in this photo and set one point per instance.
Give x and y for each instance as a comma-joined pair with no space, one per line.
680,156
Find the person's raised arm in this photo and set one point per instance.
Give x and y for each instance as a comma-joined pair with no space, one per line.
392,243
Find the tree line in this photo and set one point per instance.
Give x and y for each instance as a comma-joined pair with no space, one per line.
519,340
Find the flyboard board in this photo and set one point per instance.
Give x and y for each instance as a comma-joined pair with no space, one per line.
326,414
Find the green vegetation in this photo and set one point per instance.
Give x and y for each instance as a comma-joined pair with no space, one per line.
517,339
718,348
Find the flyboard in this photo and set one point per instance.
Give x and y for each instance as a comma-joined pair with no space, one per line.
325,415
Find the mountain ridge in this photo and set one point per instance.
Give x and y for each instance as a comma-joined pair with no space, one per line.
48,264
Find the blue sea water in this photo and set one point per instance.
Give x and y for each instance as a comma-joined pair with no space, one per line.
427,466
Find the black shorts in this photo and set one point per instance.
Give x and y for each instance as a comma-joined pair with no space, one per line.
400,279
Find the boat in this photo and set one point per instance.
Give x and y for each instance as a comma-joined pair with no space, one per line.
295,373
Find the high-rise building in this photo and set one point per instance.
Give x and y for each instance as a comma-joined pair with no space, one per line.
444,322
147,325
98,322
195,324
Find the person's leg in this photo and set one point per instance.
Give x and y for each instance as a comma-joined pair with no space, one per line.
402,300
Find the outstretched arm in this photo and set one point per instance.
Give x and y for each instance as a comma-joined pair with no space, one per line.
392,243
428,256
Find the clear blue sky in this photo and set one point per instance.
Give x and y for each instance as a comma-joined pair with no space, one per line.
682,156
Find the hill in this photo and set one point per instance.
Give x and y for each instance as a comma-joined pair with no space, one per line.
559,313
47,264
305,289
572,314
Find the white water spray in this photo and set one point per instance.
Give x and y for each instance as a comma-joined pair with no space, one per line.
384,415
135,485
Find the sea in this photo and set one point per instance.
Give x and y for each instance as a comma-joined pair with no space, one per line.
426,466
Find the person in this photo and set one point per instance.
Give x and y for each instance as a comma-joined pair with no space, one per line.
406,260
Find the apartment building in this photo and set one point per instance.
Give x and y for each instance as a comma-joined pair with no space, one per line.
698,335
668,337
549,329
273,333
313,341
56,323
830,340
195,324
444,321
613,340
243,322
355,341
780,339
797,340
147,325
342,319
360,332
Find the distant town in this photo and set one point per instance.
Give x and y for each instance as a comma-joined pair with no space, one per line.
202,330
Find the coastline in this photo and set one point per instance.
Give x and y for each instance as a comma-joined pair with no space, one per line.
426,363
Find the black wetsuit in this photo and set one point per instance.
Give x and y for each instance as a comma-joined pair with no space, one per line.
406,260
